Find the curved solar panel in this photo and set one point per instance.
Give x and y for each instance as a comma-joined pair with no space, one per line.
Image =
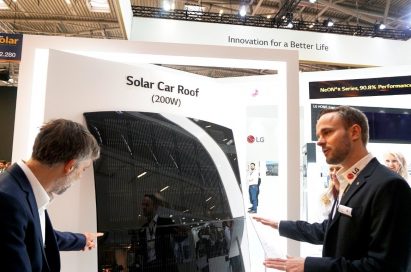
147,154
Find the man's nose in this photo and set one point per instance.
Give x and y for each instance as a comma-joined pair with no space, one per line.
320,141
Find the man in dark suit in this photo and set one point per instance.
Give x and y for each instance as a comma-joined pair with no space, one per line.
61,152
369,227
155,239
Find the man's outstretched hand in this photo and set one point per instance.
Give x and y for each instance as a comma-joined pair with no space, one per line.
91,239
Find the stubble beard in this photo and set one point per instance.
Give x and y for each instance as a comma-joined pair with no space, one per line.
340,153
63,183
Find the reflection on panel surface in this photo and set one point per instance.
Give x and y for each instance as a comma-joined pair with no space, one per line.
160,198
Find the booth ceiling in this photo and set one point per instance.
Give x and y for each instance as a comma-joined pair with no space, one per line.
73,18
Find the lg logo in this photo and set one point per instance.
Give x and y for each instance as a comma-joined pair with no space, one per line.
251,139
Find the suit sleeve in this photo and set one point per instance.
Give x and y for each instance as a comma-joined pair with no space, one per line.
303,231
13,252
68,241
389,236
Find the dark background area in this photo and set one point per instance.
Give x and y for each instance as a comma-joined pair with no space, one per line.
7,112
387,125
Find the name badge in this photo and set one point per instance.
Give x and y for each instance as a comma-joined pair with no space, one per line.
345,210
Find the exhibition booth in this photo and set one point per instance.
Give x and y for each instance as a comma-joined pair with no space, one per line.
190,139
166,132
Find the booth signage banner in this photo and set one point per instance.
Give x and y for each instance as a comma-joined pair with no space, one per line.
311,46
360,87
10,47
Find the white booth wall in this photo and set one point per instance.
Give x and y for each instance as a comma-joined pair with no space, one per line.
311,46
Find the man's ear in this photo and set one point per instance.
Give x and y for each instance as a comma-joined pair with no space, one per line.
355,132
69,166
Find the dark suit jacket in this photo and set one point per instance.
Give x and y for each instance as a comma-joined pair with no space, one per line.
377,238
21,245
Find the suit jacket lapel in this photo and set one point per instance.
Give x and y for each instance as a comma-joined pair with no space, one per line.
356,185
51,247
360,181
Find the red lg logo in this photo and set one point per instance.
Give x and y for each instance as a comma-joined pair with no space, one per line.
250,139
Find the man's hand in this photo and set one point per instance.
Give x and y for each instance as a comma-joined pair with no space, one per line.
291,264
265,221
90,237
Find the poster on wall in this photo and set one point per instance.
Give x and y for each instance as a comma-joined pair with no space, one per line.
172,160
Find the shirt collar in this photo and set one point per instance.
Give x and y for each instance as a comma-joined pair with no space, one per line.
347,176
41,196
350,174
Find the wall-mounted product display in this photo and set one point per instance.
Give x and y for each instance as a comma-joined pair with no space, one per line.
399,85
174,151
387,125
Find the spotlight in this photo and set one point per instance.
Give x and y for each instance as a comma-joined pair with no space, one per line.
328,23
166,5
243,11
312,1
288,19
379,26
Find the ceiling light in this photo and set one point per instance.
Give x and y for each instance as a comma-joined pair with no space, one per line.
166,5
328,23
243,11
312,1
68,2
221,12
208,199
142,174
379,26
268,16
3,5
98,5
288,19
165,188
